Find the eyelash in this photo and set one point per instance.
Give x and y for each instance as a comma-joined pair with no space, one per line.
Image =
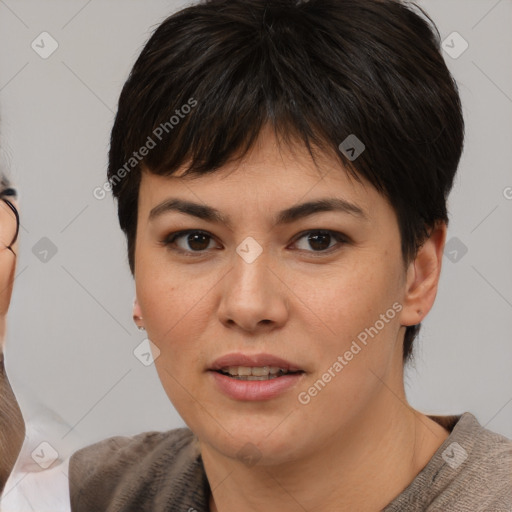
170,239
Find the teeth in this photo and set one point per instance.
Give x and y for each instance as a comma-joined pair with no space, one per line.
240,370
254,372
253,377
259,372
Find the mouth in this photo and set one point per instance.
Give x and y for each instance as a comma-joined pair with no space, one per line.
255,377
261,366
255,372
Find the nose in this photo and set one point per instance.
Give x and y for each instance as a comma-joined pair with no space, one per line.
254,296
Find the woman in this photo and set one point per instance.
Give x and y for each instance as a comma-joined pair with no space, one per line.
281,170
12,427
24,481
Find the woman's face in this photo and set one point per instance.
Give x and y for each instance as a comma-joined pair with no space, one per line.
265,289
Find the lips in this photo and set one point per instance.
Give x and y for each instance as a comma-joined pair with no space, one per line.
253,361
254,377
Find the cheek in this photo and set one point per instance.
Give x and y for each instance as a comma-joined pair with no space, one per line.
172,316
359,344
351,298
163,303
356,344
174,307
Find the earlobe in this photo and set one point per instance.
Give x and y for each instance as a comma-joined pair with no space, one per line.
423,277
137,315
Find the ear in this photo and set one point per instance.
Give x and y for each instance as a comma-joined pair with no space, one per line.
137,313
423,277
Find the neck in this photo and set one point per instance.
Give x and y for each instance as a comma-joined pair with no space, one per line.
363,467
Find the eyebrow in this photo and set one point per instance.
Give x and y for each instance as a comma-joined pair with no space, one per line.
287,216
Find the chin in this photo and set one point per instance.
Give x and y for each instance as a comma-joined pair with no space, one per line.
266,443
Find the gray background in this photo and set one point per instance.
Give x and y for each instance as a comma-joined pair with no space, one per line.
71,338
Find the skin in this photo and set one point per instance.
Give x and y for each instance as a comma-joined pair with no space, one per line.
12,427
358,443
7,262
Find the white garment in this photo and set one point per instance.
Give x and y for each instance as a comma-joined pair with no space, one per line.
42,491
39,479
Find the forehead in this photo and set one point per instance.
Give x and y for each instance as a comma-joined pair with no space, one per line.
270,177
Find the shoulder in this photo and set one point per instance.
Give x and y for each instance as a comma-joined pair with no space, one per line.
471,471
475,470
486,466
118,471
121,450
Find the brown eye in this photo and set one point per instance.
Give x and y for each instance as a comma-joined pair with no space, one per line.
198,241
190,241
320,240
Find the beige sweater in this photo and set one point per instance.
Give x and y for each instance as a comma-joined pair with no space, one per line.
163,472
